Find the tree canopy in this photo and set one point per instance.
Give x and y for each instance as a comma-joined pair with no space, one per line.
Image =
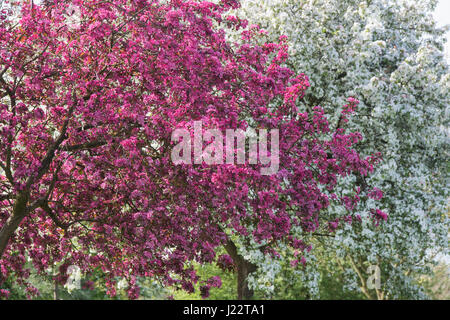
91,92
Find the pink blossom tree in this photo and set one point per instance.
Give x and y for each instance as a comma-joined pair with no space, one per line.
88,103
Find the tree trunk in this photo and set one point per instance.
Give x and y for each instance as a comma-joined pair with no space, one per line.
244,268
55,290
13,222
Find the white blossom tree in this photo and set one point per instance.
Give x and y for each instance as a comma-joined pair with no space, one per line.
389,55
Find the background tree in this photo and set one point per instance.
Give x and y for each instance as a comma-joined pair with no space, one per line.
389,55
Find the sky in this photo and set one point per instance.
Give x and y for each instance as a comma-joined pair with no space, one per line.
442,15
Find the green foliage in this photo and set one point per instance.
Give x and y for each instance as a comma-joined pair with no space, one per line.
226,292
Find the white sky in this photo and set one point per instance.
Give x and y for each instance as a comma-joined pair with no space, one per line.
442,15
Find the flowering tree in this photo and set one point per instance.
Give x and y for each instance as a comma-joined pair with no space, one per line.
91,92
388,54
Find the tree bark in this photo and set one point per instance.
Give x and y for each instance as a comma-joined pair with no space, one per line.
243,268
13,222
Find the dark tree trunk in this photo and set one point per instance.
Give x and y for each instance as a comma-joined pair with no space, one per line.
13,222
243,268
